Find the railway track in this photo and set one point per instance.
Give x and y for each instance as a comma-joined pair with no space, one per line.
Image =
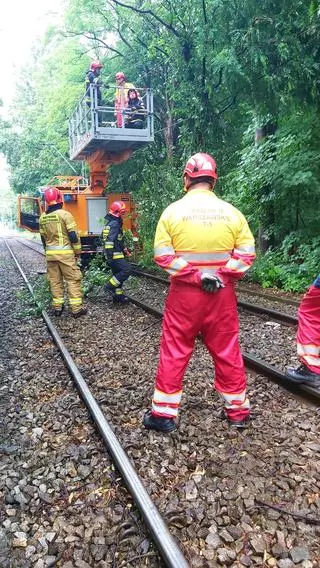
165,543
204,477
251,361
249,307
252,308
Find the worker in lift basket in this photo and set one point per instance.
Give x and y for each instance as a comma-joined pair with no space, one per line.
308,339
93,78
62,246
121,96
115,251
205,244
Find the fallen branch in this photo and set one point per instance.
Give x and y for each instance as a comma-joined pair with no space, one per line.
310,520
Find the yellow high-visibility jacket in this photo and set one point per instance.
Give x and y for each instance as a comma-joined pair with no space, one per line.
54,229
202,233
121,96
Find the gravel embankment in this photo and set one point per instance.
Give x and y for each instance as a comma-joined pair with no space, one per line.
62,501
205,478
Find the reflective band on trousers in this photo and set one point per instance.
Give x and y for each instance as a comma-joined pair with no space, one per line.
308,349
309,353
312,361
168,404
75,301
167,410
235,400
57,301
114,281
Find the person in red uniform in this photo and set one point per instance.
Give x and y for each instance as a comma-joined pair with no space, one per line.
121,96
205,244
308,338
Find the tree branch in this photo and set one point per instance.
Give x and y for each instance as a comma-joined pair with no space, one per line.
232,102
93,37
204,9
311,520
217,85
150,13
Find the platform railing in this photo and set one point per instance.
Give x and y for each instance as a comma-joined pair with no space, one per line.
94,119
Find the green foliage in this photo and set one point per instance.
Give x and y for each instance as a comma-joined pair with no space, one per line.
30,307
282,173
292,267
95,275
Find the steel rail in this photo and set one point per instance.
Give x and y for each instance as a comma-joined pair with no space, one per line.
165,542
274,314
281,316
310,393
245,290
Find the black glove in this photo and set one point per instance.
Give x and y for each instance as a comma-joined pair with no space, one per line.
109,256
210,283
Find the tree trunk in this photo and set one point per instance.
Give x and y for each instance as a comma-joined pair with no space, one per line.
267,216
168,134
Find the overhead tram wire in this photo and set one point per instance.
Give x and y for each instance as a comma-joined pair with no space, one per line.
163,539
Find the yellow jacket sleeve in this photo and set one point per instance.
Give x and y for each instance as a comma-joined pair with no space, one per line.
166,258
243,253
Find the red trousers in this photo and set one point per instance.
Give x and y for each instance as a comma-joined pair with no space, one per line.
308,336
189,311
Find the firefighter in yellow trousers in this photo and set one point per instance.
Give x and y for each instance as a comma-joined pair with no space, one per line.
61,242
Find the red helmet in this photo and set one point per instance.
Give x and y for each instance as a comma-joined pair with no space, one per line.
118,208
120,75
95,65
52,195
201,165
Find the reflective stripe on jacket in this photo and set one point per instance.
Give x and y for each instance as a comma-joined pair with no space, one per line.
202,233
112,237
54,228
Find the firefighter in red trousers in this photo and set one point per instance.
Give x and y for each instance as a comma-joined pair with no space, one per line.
308,338
61,243
205,244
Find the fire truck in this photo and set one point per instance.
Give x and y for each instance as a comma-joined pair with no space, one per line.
96,138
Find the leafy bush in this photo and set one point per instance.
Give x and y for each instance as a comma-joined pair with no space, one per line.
292,267
30,307
96,275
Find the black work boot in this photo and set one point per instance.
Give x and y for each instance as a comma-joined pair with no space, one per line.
109,289
120,299
303,375
236,423
158,423
239,424
57,312
80,313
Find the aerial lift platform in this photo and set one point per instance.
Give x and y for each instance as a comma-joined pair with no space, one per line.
94,137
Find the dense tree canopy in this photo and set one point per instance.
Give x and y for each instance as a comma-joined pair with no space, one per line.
238,79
